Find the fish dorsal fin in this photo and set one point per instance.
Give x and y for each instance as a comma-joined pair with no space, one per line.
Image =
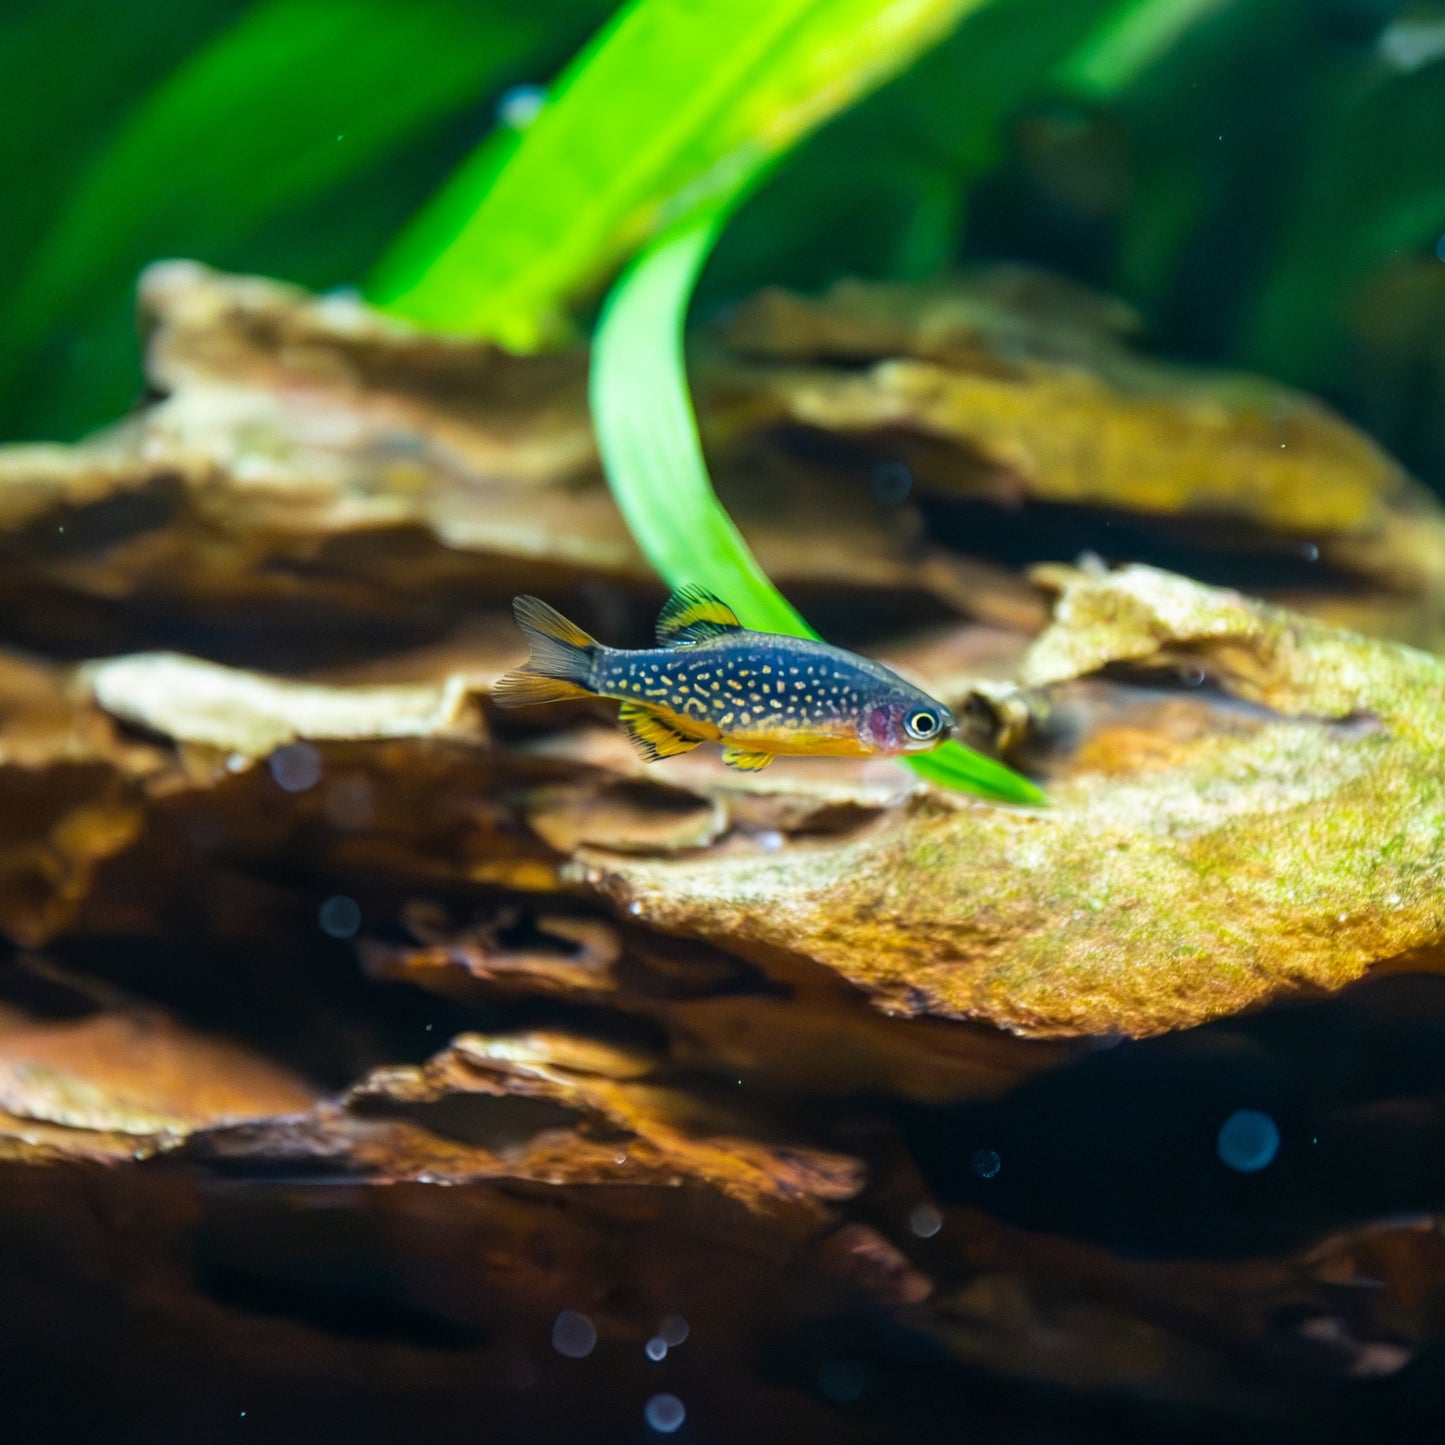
693,614
651,736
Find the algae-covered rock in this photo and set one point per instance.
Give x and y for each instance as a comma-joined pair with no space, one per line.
1175,879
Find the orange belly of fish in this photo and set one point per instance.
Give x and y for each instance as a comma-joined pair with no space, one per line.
792,741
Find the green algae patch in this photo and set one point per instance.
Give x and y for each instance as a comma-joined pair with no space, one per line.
1288,839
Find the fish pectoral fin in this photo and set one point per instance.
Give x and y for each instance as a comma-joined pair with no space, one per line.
693,614
651,735
746,761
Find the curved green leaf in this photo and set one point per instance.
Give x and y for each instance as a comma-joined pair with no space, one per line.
647,432
674,105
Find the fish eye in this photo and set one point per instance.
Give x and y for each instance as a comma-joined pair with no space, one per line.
921,723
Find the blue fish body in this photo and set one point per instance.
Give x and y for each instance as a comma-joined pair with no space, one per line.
712,680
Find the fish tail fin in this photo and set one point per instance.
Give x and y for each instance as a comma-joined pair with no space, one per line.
561,661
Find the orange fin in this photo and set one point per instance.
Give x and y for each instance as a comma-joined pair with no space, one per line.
560,665
521,688
651,736
693,614
540,619
745,761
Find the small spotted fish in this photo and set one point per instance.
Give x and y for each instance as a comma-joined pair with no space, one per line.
711,680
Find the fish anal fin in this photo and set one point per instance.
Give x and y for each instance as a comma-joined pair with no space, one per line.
651,735
693,614
745,761
522,688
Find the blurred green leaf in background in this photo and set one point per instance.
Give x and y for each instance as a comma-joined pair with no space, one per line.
1261,177
673,106
264,111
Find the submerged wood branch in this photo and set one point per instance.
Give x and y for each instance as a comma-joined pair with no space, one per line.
288,901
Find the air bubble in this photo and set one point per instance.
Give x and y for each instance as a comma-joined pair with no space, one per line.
1248,1141
665,1414
986,1163
655,1349
892,482
924,1220
349,803
573,1335
339,917
842,1381
520,106
295,767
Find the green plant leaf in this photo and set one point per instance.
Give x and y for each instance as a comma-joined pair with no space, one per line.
109,55
1215,128
293,100
1373,189
647,433
1133,37
884,189
675,104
